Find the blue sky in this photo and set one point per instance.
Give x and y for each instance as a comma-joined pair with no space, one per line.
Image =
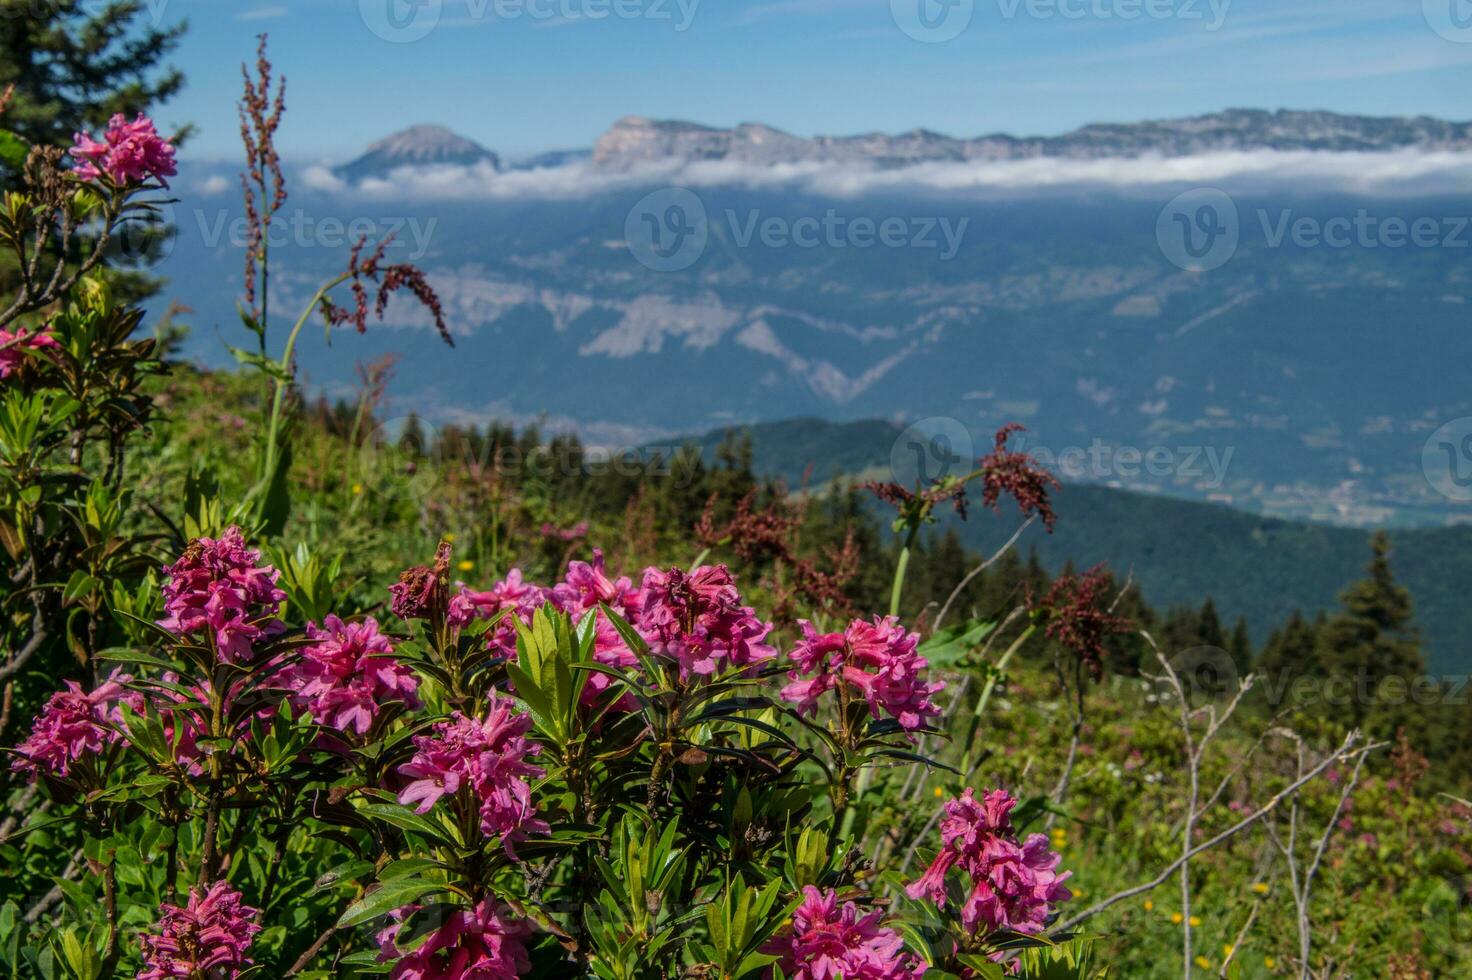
521,76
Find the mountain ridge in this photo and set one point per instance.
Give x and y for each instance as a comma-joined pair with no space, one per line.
633,141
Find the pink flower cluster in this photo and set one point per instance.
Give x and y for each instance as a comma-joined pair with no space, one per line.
348,675
582,590
220,589
697,619
73,724
488,760
474,944
129,153
878,659
1014,884
13,347
209,937
827,942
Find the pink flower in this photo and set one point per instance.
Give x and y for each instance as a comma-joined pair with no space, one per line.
697,619
344,679
517,598
13,347
582,590
831,943
878,659
586,585
387,938
73,724
473,944
220,589
483,762
130,153
578,530
1013,884
209,937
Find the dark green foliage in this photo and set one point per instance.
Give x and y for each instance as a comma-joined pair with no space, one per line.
75,64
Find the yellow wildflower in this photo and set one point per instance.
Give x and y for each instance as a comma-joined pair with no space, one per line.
1176,918
1203,962
1195,921
1149,905
357,488
1261,887
466,565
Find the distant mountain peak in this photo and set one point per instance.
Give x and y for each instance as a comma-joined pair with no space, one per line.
635,140
420,145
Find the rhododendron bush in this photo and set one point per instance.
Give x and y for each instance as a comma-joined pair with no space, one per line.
582,778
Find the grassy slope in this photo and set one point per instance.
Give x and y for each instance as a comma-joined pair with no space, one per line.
1180,550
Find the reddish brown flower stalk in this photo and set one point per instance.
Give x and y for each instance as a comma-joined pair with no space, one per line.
260,117
1000,471
386,279
1019,476
1079,617
766,535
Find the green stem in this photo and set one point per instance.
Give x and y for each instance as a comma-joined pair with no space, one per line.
898,586
986,692
284,380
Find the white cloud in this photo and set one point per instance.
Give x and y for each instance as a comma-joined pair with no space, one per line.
261,13
320,178
1399,171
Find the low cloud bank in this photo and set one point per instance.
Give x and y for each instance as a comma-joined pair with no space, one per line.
1398,172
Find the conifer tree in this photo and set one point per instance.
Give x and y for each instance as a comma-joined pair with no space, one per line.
1209,632
1240,645
1291,650
75,64
1372,642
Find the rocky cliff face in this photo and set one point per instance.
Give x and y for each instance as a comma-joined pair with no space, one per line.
636,140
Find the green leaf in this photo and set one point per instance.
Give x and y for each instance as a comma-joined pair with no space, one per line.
261,363
387,897
13,150
406,819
